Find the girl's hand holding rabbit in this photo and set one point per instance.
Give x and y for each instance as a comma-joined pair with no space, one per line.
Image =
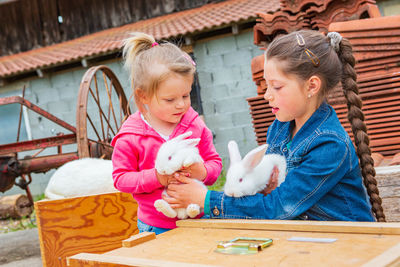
188,191
165,179
197,171
273,182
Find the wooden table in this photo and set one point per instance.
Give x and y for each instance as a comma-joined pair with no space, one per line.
194,241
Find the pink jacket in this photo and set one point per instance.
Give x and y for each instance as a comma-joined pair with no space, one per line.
135,150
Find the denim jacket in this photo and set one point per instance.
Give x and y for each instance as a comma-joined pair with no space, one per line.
323,180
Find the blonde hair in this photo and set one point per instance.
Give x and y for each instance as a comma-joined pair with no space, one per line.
150,63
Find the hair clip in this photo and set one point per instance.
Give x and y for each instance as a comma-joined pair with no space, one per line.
189,59
314,59
154,44
300,40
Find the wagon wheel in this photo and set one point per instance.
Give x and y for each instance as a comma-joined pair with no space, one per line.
102,108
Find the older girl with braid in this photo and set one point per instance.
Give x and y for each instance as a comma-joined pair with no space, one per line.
324,180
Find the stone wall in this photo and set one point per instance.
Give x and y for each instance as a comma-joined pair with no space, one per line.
388,179
225,79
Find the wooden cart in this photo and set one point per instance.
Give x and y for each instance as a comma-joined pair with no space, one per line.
102,107
194,241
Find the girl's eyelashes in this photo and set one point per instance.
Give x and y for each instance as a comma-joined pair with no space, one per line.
172,99
275,87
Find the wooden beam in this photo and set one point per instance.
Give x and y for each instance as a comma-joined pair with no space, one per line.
138,239
84,62
39,73
91,259
304,226
188,40
235,29
390,257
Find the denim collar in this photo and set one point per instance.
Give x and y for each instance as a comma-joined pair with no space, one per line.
283,137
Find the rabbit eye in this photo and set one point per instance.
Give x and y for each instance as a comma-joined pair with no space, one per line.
240,180
169,158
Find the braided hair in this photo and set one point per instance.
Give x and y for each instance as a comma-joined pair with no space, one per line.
358,126
303,51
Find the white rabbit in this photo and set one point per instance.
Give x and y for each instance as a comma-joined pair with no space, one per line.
87,176
177,153
171,157
251,175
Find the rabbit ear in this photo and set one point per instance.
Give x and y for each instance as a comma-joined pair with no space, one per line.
254,157
183,136
191,142
234,153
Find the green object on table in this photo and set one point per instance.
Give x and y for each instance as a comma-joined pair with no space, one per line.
243,245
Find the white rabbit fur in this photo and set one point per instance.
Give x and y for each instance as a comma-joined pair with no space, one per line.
177,153
251,175
87,176
171,157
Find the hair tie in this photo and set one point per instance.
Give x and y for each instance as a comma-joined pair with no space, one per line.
336,38
189,59
154,44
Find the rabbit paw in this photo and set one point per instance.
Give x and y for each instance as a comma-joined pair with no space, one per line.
181,214
162,206
193,210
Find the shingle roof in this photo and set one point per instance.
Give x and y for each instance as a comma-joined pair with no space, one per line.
207,17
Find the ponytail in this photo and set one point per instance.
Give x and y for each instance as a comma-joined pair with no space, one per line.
150,63
358,126
133,46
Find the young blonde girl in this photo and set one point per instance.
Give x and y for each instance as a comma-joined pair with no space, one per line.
161,76
323,180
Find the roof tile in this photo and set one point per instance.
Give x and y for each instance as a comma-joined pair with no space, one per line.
181,23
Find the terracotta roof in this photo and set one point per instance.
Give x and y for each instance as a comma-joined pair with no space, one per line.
310,14
205,18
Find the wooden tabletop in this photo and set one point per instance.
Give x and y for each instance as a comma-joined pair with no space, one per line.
194,242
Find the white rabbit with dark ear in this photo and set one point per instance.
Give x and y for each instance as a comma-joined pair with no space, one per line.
171,157
251,175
